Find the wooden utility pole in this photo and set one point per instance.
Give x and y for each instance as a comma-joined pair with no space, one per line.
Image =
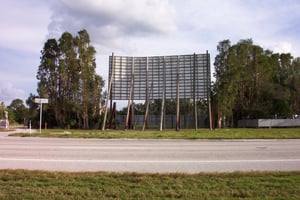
130,94
194,93
209,92
163,97
109,90
177,99
147,96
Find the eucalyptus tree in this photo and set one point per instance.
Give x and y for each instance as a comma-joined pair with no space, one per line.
282,85
224,83
295,82
67,77
90,82
254,83
67,80
48,76
253,79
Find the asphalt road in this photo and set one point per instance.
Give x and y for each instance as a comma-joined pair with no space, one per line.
158,156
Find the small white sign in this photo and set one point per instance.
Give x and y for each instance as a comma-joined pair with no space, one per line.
40,100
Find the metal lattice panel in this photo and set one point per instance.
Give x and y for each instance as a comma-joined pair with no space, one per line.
158,74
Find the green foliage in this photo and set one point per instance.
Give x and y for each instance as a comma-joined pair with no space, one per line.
68,79
254,83
20,184
2,109
33,113
17,111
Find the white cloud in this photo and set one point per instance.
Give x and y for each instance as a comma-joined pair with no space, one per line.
9,92
153,15
283,47
130,26
120,26
113,22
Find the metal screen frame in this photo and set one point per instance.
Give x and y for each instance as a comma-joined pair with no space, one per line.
159,77
153,75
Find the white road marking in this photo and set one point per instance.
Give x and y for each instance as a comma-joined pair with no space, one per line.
147,161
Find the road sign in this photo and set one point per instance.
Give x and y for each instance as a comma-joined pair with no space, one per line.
40,100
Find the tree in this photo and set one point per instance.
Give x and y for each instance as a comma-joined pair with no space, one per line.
2,109
282,85
87,66
223,85
295,89
254,83
18,111
67,77
33,114
48,76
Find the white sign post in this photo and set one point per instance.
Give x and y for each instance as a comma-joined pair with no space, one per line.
6,119
40,101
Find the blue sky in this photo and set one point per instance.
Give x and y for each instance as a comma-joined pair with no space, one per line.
137,27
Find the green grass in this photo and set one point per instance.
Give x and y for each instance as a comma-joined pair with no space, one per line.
20,184
234,133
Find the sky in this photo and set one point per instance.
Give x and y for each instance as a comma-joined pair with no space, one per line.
137,28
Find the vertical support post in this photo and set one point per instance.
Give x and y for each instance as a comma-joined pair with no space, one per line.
163,96
41,101
132,121
146,114
41,111
112,115
111,104
178,99
130,93
30,127
147,96
209,91
194,93
6,119
109,90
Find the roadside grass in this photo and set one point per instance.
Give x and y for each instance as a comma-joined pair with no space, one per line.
226,133
21,184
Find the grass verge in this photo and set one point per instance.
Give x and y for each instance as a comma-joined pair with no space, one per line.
20,184
234,133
